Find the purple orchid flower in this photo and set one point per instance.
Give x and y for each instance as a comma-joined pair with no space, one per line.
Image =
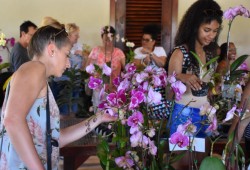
135,119
179,89
124,85
179,139
212,128
136,99
117,81
130,68
94,83
106,70
244,66
187,128
231,13
156,81
136,139
152,147
230,114
141,77
153,96
125,162
117,99
90,69
172,78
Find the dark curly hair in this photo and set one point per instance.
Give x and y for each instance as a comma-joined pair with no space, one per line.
202,11
153,30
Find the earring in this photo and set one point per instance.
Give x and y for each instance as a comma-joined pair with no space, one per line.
52,55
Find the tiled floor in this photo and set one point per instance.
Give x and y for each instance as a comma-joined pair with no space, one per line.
90,164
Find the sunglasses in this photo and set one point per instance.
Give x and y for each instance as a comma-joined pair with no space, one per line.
53,37
146,40
212,12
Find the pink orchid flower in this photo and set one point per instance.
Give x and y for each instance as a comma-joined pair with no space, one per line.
136,139
153,96
94,83
90,69
125,162
179,89
187,128
106,70
230,114
152,147
179,139
135,119
231,13
212,128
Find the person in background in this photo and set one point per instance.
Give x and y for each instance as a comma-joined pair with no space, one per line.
52,22
24,111
103,54
19,54
224,62
155,56
149,53
76,52
244,123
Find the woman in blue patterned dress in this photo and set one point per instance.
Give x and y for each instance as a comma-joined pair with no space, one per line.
23,145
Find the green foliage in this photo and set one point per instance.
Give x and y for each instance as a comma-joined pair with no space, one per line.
212,163
4,65
130,56
74,84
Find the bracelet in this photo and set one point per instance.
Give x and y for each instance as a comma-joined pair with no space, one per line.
214,91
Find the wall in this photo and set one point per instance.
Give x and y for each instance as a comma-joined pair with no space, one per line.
89,15
240,29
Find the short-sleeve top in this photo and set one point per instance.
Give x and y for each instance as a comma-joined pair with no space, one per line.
36,120
158,51
99,58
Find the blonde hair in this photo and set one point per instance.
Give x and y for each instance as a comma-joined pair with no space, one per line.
71,27
52,22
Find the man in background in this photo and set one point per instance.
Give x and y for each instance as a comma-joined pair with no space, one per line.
19,53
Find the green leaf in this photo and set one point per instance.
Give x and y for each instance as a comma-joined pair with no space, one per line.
4,65
177,157
212,163
238,62
211,61
197,58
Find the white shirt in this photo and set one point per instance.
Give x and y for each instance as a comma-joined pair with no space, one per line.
158,51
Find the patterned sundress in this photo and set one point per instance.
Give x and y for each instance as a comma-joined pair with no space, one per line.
36,120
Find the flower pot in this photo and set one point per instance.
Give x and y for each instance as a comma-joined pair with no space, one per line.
202,92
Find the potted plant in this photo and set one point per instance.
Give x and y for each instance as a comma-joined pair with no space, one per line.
202,72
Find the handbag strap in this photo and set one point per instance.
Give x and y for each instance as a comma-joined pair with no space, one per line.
3,129
48,133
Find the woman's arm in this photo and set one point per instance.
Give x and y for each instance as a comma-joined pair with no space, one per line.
159,61
25,87
175,65
75,132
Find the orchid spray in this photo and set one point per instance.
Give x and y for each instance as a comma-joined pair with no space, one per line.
230,15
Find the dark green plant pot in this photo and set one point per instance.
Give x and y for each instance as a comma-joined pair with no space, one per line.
202,92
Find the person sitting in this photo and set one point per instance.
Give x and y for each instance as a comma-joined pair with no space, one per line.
104,54
149,53
225,60
19,53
